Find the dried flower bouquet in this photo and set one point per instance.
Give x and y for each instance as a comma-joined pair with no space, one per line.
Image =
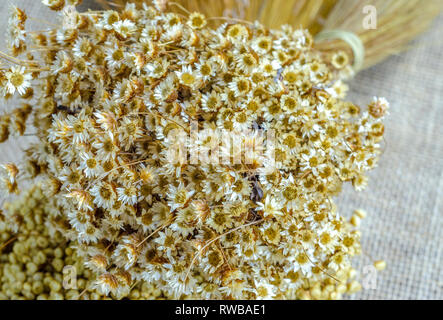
106,90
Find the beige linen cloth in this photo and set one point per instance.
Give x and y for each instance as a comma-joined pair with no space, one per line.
404,198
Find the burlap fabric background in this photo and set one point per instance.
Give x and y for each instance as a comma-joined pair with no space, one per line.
404,199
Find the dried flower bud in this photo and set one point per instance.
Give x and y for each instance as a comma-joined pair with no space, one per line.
55,5
378,108
380,265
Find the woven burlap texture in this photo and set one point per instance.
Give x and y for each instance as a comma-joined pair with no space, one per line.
404,198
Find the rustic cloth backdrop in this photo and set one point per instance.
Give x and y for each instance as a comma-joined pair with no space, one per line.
404,198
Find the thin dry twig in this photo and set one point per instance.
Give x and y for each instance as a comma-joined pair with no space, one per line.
215,239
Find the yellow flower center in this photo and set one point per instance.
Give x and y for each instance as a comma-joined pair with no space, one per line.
17,79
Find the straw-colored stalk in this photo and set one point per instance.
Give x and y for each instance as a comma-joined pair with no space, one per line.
272,13
398,21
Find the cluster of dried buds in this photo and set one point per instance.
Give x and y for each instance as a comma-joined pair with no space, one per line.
37,264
